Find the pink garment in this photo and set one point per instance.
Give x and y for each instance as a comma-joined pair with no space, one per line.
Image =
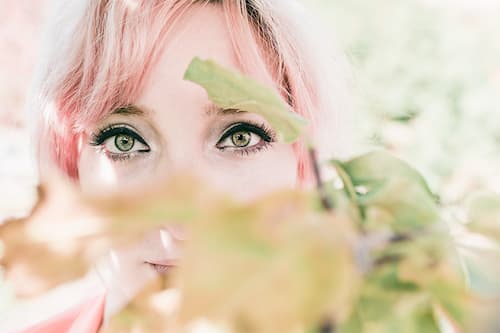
86,317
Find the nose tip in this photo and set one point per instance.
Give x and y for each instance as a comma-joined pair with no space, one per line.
193,164
177,163
185,172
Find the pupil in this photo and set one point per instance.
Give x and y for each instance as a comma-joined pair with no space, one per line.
241,139
124,142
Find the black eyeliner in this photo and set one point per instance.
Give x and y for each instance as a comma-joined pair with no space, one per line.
113,130
261,131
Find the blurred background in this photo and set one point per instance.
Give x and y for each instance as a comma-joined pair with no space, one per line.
427,76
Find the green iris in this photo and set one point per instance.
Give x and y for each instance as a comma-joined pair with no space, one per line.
124,142
241,139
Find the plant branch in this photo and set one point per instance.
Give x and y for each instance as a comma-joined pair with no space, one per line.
326,200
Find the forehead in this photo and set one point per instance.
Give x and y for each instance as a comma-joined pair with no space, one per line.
202,31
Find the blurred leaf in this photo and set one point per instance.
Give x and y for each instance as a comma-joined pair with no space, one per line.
373,169
231,90
384,311
151,311
269,267
55,244
395,302
275,265
399,203
480,248
483,213
179,201
388,191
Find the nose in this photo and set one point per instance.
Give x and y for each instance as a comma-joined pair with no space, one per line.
208,168
184,159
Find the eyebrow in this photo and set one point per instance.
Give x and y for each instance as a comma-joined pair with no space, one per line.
210,110
129,110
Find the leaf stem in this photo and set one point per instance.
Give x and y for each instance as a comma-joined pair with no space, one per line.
346,181
326,201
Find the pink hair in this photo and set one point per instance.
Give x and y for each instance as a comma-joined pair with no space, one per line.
99,60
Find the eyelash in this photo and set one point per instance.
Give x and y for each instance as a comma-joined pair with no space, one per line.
266,134
98,139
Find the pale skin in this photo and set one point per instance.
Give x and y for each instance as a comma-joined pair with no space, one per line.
173,128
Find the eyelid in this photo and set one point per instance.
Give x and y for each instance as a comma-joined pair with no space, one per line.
263,131
113,130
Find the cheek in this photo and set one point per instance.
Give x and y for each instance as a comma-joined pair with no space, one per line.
95,172
241,177
251,177
98,175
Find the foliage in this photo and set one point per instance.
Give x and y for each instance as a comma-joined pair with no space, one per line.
427,74
230,90
380,260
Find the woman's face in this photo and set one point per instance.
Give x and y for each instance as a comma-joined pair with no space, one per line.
173,127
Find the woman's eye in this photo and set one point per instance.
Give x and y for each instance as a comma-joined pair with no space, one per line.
120,141
244,136
241,140
124,143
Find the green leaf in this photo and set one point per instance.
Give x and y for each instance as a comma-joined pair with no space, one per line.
400,203
481,258
388,312
483,212
268,267
374,168
388,191
231,90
